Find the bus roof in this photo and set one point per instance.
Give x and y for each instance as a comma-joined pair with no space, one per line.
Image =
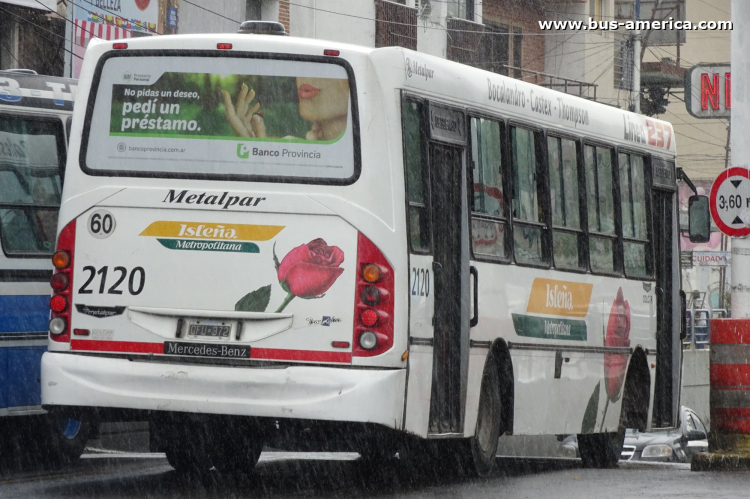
39,91
455,83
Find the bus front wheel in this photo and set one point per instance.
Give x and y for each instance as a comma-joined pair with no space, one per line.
489,420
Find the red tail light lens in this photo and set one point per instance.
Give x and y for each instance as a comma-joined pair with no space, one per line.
373,330
224,46
58,303
369,317
62,284
119,45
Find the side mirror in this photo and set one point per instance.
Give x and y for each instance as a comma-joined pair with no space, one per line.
699,219
696,435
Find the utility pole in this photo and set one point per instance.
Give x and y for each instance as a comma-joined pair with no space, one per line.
637,60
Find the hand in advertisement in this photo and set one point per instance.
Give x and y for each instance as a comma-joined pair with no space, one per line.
242,117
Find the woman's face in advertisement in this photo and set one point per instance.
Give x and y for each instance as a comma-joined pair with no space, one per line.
323,99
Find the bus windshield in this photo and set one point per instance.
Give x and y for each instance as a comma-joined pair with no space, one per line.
218,117
29,184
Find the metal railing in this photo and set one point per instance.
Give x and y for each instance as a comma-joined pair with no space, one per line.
698,322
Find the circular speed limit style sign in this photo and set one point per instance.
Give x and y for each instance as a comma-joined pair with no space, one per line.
730,201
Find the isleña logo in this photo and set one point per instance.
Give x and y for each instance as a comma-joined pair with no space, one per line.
221,237
566,298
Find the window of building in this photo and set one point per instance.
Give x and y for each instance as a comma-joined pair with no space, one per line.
567,235
528,220
30,185
488,223
462,9
636,248
601,209
253,10
416,185
501,48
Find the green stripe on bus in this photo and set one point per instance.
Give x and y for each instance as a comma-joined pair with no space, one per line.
549,328
224,246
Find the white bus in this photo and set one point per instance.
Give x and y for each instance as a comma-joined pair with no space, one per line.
35,114
261,234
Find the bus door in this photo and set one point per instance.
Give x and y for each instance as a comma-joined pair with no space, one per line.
668,344
450,237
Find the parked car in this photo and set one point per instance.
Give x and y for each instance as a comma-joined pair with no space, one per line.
675,446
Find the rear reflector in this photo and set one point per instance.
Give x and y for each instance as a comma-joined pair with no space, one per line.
81,332
119,45
340,344
330,52
224,46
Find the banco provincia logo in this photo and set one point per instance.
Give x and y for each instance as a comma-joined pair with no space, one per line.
204,236
243,152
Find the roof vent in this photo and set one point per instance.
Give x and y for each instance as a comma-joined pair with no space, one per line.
262,28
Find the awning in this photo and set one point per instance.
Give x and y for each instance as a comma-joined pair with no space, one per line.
86,30
45,5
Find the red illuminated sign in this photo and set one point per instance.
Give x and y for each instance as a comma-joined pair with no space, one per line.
708,91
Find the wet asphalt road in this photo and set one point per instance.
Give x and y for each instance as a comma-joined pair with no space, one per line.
329,475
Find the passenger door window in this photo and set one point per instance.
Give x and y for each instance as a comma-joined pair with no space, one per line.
636,247
488,221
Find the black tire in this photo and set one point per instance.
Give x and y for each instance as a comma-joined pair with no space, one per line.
601,450
67,435
186,447
236,445
489,421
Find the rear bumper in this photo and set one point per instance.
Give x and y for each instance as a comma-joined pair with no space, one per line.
300,392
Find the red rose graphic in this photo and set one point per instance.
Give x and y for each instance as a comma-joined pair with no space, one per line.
618,332
311,269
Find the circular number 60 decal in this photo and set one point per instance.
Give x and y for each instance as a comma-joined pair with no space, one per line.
101,224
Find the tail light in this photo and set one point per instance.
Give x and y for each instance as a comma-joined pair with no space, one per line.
62,285
373,309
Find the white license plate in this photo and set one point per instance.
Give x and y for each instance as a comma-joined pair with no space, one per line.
209,329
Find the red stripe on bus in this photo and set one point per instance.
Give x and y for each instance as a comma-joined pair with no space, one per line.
301,355
730,375
117,346
255,353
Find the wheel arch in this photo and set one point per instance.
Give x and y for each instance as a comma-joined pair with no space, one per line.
501,352
637,391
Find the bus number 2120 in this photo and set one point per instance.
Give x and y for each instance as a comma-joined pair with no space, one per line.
420,282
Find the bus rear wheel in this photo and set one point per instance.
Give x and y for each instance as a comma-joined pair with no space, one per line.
236,446
489,420
601,450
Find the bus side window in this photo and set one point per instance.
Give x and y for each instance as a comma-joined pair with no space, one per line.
567,235
601,209
528,219
488,222
634,222
416,191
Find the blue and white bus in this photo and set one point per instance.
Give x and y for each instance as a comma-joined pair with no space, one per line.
34,125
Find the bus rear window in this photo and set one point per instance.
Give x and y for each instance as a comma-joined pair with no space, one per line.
29,184
213,117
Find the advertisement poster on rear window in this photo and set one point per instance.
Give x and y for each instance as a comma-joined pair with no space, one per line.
225,116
